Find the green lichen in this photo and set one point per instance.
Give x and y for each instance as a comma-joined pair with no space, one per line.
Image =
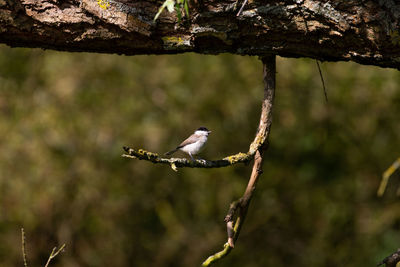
176,163
146,154
104,4
173,167
209,31
175,42
237,157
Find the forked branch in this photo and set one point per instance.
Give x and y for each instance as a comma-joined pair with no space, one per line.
54,253
238,209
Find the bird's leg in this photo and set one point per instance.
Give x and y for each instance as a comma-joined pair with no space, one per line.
190,154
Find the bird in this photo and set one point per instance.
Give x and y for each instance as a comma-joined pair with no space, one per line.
194,143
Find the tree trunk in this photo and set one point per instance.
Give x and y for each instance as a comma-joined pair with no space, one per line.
363,31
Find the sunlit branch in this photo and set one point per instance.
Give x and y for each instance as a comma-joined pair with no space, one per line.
239,207
386,175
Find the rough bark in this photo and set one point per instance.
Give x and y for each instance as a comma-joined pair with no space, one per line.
366,32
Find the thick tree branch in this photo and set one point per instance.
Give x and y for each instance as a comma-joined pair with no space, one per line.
364,31
239,207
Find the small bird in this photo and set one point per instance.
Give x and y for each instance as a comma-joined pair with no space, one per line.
194,143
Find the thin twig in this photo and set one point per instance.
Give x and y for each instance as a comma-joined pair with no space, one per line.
240,207
24,247
241,9
322,80
54,253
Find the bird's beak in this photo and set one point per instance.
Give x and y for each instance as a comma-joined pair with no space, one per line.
209,132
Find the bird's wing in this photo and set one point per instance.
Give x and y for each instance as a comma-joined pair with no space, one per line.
171,152
190,140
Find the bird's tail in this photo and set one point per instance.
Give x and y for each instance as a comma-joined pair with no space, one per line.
171,152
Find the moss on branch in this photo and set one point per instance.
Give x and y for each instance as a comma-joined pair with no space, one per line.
175,163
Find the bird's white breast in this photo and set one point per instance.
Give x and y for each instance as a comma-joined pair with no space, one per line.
195,147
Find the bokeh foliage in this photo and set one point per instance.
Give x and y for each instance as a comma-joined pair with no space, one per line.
66,116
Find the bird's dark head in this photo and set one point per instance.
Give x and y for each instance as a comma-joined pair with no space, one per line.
203,130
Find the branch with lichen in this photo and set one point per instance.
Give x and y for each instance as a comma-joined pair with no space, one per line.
176,163
258,142
238,209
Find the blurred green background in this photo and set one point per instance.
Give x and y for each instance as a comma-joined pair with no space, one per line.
66,116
